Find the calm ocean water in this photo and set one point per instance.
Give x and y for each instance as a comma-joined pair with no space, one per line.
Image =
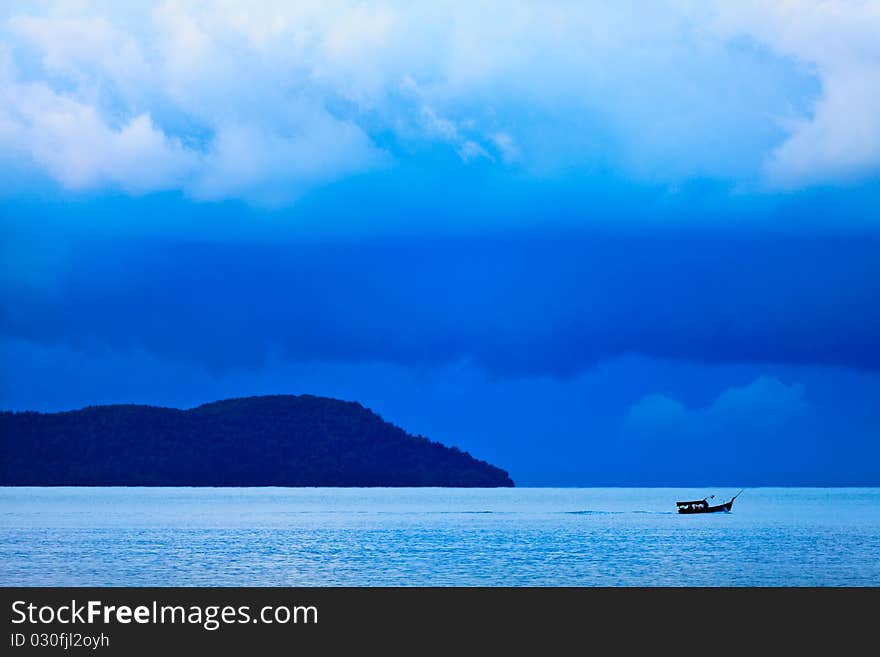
523,536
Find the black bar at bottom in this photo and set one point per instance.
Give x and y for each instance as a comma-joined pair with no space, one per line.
169,621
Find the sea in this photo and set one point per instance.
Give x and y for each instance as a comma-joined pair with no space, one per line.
436,537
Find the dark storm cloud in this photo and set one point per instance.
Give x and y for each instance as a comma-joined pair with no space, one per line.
530,304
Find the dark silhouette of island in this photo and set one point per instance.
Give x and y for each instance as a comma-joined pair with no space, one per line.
279,440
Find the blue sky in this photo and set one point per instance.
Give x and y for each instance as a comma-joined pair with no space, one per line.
597,243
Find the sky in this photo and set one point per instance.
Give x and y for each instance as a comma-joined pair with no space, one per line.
601,243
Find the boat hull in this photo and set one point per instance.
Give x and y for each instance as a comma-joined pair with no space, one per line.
726,507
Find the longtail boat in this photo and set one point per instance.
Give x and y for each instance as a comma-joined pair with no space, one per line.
703,506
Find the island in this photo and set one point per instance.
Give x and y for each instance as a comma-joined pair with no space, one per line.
277,440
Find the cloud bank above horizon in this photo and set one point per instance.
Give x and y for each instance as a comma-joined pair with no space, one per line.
265,102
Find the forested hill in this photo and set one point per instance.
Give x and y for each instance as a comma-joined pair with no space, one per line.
280,440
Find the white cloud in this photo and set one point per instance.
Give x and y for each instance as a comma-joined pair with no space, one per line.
470,150
444,129
88,50
440,127
263,101
506,146
840,41
246,161
756,411
73,143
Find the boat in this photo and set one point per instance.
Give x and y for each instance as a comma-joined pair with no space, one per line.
703,506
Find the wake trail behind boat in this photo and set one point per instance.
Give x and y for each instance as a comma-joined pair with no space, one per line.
591,512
